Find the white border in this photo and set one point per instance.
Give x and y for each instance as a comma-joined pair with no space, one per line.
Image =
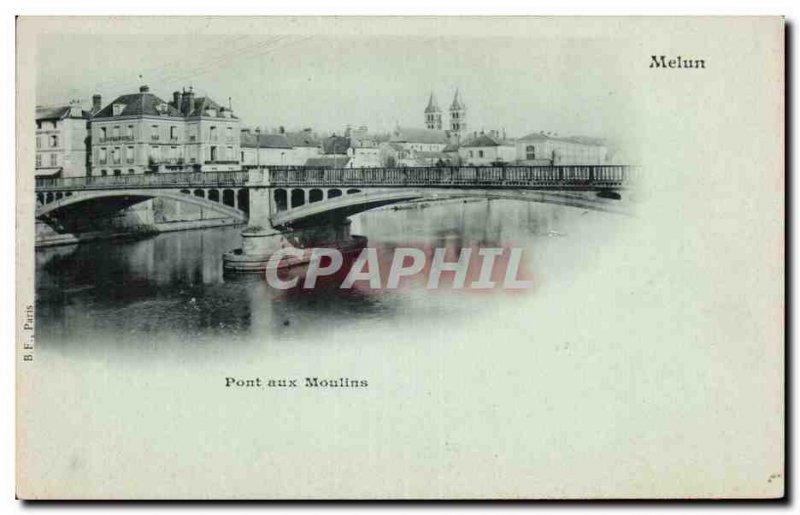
242,7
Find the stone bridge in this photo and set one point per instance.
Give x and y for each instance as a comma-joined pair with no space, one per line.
274,201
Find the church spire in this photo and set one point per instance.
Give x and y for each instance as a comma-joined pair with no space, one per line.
433,115
457,105
458,116
433,106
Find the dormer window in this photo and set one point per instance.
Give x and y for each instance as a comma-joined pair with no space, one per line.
117,109
212,113
161,108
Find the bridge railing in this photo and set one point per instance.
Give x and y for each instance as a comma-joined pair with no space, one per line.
479,176
150,180
576,177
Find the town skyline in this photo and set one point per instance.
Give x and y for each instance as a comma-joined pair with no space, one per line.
327,83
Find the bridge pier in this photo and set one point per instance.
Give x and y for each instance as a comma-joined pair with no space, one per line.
260,240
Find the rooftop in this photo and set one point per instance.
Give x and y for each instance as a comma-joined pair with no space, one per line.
415,135
581,140
57,113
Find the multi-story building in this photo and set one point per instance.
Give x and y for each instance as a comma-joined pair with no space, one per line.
141,133
62,139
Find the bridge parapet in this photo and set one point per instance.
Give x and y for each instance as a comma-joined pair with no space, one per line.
529,177
560,177
236,179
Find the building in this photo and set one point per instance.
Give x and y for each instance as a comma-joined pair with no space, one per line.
62,141
413,147
433,115
265,149
488,150
458,117
141,133
305,145
546,149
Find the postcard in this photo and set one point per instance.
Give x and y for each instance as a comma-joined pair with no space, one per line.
400,258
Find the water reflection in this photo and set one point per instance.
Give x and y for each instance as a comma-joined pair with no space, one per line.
170,288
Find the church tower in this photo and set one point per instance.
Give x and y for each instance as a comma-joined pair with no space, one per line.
433,115
458,116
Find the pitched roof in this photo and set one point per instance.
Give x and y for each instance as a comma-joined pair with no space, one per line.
327,162
250,140
145,103
57,113
302,139
138,104
433,107
457,104
415,135
484,140
581,140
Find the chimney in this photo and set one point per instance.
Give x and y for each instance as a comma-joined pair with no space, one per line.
97,103
188,99
144,89
281,130
176,99
75,110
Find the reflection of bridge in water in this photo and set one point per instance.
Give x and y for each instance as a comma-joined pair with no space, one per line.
279,201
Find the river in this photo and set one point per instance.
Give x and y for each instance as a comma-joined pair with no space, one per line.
168,293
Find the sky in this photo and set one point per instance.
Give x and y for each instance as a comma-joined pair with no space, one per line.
521,85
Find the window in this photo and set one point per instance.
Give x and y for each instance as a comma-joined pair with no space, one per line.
54,140
115,155
530,152
129,131
230,154
38,160
103,133
53,159
213,133
480,153
154,132
38,142
129,155
230,133
115,132
173,133
213,154
154,153
101,157
117,109
130,171
103,172
117,172
471,154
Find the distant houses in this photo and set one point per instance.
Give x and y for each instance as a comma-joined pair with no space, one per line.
141,133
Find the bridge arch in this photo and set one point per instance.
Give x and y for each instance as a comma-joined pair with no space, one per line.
121,199
340,207
280,199
315,195
298,197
